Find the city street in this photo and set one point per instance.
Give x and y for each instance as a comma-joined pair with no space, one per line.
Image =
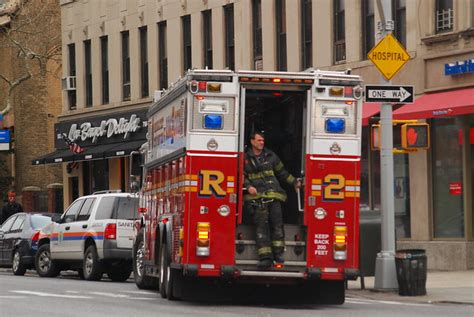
68,296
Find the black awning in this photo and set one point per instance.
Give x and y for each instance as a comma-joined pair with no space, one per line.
93,152
55,157
124,149
97,152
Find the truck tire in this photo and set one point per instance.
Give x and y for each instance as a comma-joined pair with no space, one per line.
332,292
141,280
45,265
18,267
164,265
119,273
92,267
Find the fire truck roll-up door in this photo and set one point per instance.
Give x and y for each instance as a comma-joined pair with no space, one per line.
333,178
277,107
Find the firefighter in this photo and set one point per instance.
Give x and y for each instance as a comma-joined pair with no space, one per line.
263,173
10,208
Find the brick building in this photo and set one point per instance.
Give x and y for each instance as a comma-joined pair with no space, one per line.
36,102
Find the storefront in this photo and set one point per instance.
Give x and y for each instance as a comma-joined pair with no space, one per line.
94,151
433,189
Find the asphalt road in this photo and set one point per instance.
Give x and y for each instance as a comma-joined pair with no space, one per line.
31,295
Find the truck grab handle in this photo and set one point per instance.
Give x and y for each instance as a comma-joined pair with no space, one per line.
298,193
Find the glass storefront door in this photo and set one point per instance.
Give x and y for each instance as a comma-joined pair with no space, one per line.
447,171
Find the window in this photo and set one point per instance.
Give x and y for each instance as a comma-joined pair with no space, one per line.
280,15
71,94
7,224
72,211
127,208
88,72
104,57
257,34
105,208
447,171
306,34
162,55
207,37
368,27
399,14
444,16
229,36
38,222
18,224
143,61
95,175
186,37
86,210
339,32
125,65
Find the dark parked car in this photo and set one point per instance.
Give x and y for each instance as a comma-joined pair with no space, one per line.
19,240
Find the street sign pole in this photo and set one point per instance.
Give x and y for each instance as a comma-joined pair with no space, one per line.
385,271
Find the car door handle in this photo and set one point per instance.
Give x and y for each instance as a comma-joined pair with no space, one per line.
67,228
84,226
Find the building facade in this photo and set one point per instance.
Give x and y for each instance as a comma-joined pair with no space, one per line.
35,102
116,53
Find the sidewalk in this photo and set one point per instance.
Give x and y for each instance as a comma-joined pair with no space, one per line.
441,287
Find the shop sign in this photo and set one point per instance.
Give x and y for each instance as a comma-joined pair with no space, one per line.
455,188
122,127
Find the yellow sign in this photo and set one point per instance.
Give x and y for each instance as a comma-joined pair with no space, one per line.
388,56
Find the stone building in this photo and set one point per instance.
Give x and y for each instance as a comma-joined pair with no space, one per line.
116,53
36,102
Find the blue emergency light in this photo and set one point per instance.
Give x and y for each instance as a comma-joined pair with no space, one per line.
335,125
213,121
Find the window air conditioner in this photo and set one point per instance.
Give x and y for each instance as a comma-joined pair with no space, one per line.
68,83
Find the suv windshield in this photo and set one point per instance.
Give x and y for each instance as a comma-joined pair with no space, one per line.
117,208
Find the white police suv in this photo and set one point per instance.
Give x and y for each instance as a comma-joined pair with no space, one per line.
94,235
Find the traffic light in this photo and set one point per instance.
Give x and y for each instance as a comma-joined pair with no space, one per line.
375,137
415,136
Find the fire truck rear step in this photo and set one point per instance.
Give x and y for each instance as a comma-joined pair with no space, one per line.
272,274
255,262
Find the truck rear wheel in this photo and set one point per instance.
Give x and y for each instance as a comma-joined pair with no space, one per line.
331,292
164,266
141,279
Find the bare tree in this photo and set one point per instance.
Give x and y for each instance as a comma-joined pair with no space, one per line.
32,39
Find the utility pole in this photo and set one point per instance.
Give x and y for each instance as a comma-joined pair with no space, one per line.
385,271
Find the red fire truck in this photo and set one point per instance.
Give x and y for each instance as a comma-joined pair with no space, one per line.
195,225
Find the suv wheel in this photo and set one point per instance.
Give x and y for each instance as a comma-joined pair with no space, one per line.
18,267
141,280
92,267
45,265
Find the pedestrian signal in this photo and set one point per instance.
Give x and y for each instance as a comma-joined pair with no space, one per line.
415,136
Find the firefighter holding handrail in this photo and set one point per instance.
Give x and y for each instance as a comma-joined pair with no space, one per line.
263,173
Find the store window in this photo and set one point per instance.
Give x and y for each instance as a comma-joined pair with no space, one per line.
95,176
447,170
401,196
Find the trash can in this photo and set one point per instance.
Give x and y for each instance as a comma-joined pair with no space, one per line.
411,272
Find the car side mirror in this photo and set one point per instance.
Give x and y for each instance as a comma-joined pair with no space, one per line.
56,218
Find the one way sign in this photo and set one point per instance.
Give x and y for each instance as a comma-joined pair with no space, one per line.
396,94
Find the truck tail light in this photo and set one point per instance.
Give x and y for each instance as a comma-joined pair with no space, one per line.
110,232
203,239
181,239
340,243
34,240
